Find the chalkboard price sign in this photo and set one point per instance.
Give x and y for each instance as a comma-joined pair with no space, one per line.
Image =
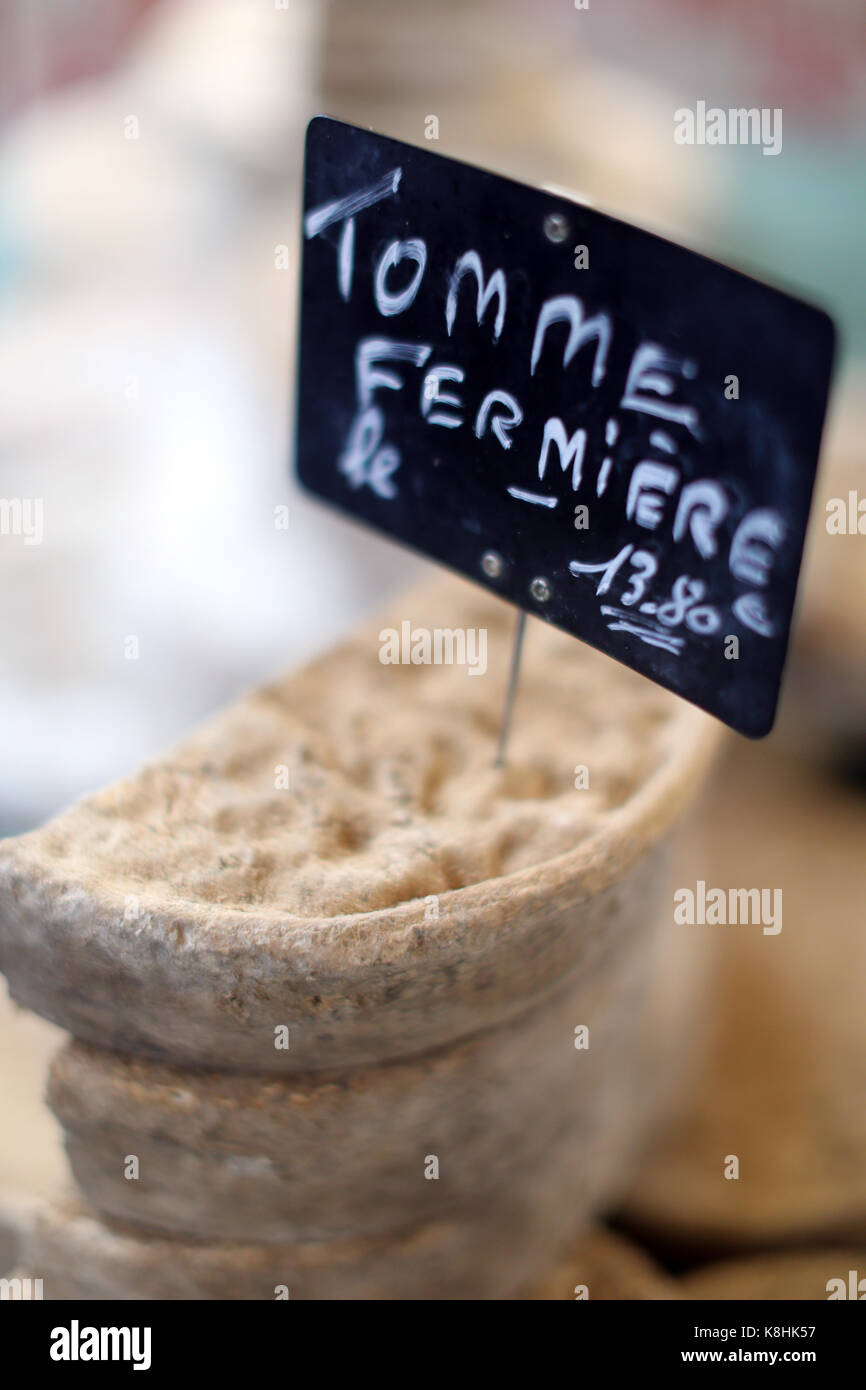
609,431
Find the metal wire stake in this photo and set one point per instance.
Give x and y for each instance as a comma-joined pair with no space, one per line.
512,689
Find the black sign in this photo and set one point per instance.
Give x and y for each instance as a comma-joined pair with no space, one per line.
610,431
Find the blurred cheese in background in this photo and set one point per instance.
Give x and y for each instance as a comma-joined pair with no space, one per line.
518,88
823,712
778,1058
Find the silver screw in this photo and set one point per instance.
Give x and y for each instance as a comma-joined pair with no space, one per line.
540,589
493,564
556,226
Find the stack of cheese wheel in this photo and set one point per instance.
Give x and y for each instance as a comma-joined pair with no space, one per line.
354,1013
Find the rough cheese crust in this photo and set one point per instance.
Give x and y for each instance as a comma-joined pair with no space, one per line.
400,894
392,794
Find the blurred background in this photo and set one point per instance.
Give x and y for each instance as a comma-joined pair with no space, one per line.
150,159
